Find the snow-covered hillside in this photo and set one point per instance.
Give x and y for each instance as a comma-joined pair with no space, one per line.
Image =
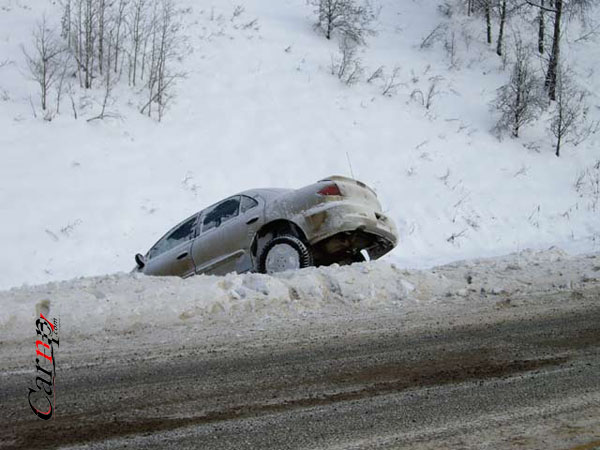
259,107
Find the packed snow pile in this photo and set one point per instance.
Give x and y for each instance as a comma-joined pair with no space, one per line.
125,303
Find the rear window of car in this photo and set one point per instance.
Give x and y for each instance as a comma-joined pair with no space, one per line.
221,213
247,203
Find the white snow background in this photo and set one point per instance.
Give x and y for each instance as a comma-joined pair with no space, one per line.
259,108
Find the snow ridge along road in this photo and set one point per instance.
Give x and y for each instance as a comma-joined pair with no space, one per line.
486,354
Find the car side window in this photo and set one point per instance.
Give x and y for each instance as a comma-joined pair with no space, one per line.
247,203
182,233
221,213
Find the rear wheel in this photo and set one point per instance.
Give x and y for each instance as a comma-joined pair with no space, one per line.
285,252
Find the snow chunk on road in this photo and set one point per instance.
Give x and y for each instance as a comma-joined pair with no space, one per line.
123,303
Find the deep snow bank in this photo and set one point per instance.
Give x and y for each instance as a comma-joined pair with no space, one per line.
125,303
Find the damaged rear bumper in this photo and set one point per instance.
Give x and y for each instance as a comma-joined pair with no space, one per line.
343,226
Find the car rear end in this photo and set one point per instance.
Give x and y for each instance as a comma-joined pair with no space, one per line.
345,217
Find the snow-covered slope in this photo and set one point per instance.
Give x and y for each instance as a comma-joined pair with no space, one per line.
260,108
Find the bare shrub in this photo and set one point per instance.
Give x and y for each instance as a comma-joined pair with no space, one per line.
348,17
435,35
454,237
426,98
377,74
347,67
521,99
391,84
452,49
588,186
432,92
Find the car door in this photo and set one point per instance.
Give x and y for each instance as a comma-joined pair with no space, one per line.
226,235
172,255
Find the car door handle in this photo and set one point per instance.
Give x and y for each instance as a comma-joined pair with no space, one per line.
254,219
183,255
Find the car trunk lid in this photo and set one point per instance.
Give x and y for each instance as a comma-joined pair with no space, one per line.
352,189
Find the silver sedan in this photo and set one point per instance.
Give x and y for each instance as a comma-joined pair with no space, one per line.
336,220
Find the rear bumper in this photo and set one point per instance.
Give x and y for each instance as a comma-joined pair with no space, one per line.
336,217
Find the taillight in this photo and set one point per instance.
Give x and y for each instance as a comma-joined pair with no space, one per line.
330,189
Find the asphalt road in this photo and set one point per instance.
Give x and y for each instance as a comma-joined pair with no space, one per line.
518,373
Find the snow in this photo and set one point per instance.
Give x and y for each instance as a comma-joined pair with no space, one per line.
80,199
127,304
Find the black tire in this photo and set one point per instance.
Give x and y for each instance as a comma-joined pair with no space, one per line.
304,253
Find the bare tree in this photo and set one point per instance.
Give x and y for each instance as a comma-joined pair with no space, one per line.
558,8
77,38
541,27
141,37
44,63
164,50
486,7
137,24
505,9
86,25
500,42
570,122
119,22
552,72
89,22
108,81
519,101
351,19
66,21
102,17
65,62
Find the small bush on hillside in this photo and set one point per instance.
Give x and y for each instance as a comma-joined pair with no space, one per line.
347,67
521,99
348,17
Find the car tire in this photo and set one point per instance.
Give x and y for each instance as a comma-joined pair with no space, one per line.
285,252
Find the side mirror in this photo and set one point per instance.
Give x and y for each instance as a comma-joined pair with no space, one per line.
140,261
